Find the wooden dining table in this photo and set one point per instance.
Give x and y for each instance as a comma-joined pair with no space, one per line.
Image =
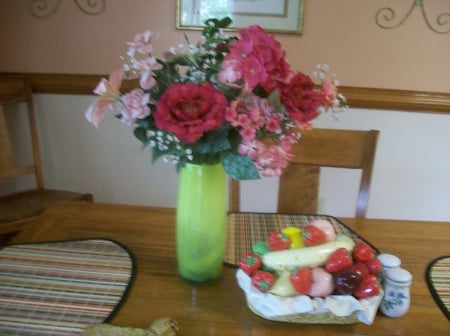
220,309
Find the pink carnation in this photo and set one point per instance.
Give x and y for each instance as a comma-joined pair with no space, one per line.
329,92
273,123
270,159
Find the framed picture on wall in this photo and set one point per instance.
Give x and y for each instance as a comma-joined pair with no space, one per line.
279,16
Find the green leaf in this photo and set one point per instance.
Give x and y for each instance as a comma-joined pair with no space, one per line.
260,91
274,98
225,22
239,167
212,26
215,141
184,60
181,164
209,31
156,154
227,91
211,22
143,123
141,134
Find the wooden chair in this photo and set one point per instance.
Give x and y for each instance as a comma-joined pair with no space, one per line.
298,189
19,207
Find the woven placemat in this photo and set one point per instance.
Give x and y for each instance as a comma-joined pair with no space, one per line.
438,279
247,228
58,288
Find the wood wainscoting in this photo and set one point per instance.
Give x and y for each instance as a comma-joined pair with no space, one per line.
357,97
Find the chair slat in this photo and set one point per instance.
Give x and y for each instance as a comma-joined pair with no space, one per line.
299,184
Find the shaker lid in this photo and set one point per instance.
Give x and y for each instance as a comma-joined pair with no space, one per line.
398,275
389,260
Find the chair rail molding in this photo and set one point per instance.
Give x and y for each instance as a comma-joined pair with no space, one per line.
357,97
45,8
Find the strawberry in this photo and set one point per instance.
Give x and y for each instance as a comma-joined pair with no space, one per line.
278,241
250,263
362,252
360,268
374,265
312,235
263,280
338,260
368,287
301,279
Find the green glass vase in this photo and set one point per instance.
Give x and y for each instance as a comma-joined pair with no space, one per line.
201,221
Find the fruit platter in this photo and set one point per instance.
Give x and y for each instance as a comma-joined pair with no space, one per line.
312,273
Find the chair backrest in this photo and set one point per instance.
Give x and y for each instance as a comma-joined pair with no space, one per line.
16,92
299,184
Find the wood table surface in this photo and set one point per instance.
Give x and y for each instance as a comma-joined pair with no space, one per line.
220,309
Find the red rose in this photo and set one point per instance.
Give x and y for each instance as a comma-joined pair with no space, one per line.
190,110
300,98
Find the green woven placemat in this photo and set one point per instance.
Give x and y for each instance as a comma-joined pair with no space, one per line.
438,279
245,229
58,288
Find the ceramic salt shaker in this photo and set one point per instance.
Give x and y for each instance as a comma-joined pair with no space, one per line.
397,284
388,261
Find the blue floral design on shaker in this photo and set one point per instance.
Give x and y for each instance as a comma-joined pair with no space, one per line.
394,299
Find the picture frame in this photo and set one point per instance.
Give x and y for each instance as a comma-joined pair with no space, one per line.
277,16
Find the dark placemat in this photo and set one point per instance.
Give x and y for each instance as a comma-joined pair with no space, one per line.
58,288
437,276
245,229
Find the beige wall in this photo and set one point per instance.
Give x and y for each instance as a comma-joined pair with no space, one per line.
341,33
411,176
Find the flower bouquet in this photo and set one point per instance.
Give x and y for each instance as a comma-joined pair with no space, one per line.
227,99
225,104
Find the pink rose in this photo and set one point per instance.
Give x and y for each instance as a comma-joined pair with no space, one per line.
300,98
189,110
135,106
